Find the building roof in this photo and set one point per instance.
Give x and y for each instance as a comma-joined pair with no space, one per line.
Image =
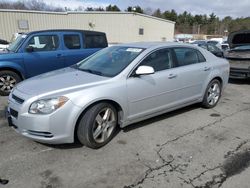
86,12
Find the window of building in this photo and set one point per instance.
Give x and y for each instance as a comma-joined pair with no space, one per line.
141,31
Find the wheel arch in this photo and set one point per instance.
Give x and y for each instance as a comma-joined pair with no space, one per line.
219,79
18,72
114,103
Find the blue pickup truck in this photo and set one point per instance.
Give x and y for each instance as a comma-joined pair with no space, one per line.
42,51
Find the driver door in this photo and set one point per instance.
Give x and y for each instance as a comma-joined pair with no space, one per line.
42,53
152,93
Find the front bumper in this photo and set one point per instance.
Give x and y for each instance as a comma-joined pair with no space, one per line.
55,128
239,73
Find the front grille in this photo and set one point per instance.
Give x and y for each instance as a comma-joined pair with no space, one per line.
13,113
17,99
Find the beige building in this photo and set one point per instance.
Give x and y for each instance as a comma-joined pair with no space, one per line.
120,27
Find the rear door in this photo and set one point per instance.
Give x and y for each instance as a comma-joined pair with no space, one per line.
192,72
79,45
42,53
73,47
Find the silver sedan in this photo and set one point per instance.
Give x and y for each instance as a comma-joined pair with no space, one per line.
115,87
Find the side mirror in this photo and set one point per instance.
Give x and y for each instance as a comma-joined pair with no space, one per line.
29,49
144,70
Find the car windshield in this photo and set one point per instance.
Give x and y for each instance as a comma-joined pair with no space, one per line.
245,47
15,44
110,61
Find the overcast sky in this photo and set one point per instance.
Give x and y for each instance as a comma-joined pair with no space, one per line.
222,8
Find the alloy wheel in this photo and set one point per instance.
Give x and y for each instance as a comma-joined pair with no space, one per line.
213,94
7,82
104,125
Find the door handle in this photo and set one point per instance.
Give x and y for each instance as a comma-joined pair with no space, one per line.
58,55
171,76
207,68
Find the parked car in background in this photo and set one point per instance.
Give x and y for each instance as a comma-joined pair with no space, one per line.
3,44
115,87
216,41
239,54
210,47
199,42
224,45
42,51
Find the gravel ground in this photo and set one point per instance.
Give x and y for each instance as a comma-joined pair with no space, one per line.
190,147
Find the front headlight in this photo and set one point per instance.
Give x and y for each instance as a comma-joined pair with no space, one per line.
47,106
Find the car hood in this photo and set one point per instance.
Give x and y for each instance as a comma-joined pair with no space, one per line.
62,80
239,38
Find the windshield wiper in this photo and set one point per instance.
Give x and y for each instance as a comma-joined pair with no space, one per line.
92,71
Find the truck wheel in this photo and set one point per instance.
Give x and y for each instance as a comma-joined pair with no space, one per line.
98,125
8,79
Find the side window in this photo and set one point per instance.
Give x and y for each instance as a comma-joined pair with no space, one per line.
43,43
201,57
72,41
95,41
188,56
159,60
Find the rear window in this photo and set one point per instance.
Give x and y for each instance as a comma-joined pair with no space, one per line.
95,41
72,41
188,56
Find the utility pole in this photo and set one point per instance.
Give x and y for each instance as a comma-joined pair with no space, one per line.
199,28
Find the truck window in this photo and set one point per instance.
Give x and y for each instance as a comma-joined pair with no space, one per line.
44,43
95,41
72,41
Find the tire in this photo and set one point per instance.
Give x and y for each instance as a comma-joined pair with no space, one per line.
212,94
98,125
8,80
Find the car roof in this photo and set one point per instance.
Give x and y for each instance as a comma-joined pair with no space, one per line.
65,30
147,45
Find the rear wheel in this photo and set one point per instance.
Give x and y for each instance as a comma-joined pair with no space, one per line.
8,79
212,95
98,125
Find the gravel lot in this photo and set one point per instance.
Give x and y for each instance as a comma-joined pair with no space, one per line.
191,147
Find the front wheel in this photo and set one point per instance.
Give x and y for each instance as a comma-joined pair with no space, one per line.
8,79
212,94
98,125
